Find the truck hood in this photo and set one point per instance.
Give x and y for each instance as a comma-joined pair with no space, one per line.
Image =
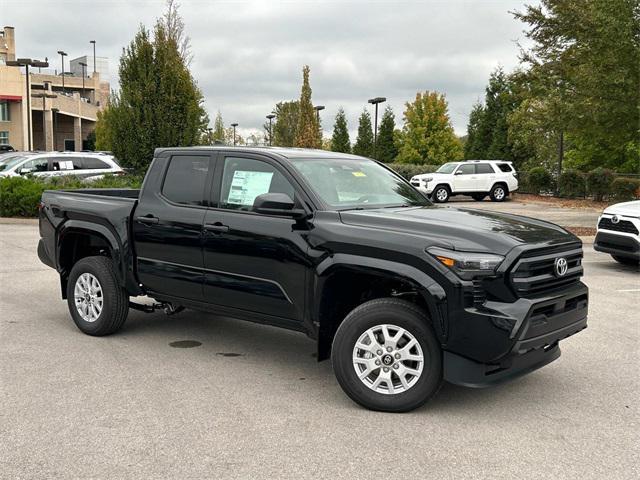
462,229
626,209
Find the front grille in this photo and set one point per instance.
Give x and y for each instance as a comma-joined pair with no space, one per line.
535,273
622,226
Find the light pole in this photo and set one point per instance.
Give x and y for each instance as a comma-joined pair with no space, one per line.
62,55
44,95
84,73
94,54
376,101
234,125
210,131
271,116
317,108
27,62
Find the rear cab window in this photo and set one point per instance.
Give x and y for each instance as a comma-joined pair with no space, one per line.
186,179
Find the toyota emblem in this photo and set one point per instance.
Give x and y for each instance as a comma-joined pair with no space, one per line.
561,266
615,219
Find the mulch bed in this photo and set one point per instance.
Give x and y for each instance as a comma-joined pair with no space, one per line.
562,202
582,231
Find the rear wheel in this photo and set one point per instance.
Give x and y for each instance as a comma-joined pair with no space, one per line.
386,356
478,197
441,194
97,303
634,262
498,193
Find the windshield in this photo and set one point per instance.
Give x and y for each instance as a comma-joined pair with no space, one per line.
7,162
447,168
357,183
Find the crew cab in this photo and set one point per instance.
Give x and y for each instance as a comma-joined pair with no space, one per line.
399,293
476,178
618,232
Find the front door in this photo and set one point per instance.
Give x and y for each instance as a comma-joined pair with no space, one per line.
168,226
464,179
254,262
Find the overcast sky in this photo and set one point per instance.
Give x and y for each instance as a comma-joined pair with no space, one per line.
248,55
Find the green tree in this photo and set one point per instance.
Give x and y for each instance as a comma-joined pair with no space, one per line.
428,136
340,141
158,104
584,66
386,150
307,129
364,141
285,123
218,129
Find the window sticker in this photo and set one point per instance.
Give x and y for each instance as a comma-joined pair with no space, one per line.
358,174
246,186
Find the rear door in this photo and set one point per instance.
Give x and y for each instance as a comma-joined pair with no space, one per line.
167,226
485,176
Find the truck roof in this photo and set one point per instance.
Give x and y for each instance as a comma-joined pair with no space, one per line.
290,153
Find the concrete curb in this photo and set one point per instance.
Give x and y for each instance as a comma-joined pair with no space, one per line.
18,221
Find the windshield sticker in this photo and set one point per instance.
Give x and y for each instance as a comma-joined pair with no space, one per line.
358,174
246,186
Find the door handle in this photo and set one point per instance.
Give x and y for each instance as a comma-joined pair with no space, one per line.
148,220
216,227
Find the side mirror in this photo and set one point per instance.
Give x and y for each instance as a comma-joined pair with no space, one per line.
277,204
458,173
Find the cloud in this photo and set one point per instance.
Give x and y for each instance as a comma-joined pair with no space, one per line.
248,55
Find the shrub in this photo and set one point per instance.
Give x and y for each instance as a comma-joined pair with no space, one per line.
572,184
19,196
537,180
624,189
599,182
408,170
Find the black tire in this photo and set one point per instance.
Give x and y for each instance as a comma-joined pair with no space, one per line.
478,197
403,314
634,262
443,192
115,300
499,193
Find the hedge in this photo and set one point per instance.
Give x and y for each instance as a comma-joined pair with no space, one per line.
599,182
572,184
19,196
537,180
623,189
408,170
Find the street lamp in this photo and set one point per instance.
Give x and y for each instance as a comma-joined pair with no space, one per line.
84,73
44,95
271,116
94,54
62,55
27,62
234,125
317,108
376,101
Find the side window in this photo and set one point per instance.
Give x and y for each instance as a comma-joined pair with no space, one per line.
243,179
36,165
91,163
505,167
185,180
62,163
484,168
466,169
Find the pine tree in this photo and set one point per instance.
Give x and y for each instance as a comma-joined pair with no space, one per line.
386,150
158,104
307,130
364,141
428,134
473,148
340,140
218,129
284,128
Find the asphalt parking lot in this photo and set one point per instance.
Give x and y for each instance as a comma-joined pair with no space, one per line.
252,402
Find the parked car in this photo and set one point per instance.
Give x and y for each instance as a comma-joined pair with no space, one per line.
400,293
477,178
617,232
89,166
6,148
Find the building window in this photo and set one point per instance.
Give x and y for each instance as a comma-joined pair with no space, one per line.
4,138
4,111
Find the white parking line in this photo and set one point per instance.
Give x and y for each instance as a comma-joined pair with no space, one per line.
630,290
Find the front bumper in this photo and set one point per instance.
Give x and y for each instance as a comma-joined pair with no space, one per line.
531,330
624,245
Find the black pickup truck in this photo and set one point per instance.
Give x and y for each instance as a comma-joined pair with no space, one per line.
401,294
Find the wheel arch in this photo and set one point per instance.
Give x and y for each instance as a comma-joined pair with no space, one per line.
346,281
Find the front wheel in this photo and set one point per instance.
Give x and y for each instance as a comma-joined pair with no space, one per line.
386,356
440,194
97,303
634,262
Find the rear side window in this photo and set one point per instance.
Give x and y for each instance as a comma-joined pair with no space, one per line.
505,167
91,163
186,178
62,164
484,168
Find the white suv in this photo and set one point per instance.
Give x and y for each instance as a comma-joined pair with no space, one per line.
477,178
86,165
618,232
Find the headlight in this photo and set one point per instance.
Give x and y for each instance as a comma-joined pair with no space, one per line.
467,265
427,179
